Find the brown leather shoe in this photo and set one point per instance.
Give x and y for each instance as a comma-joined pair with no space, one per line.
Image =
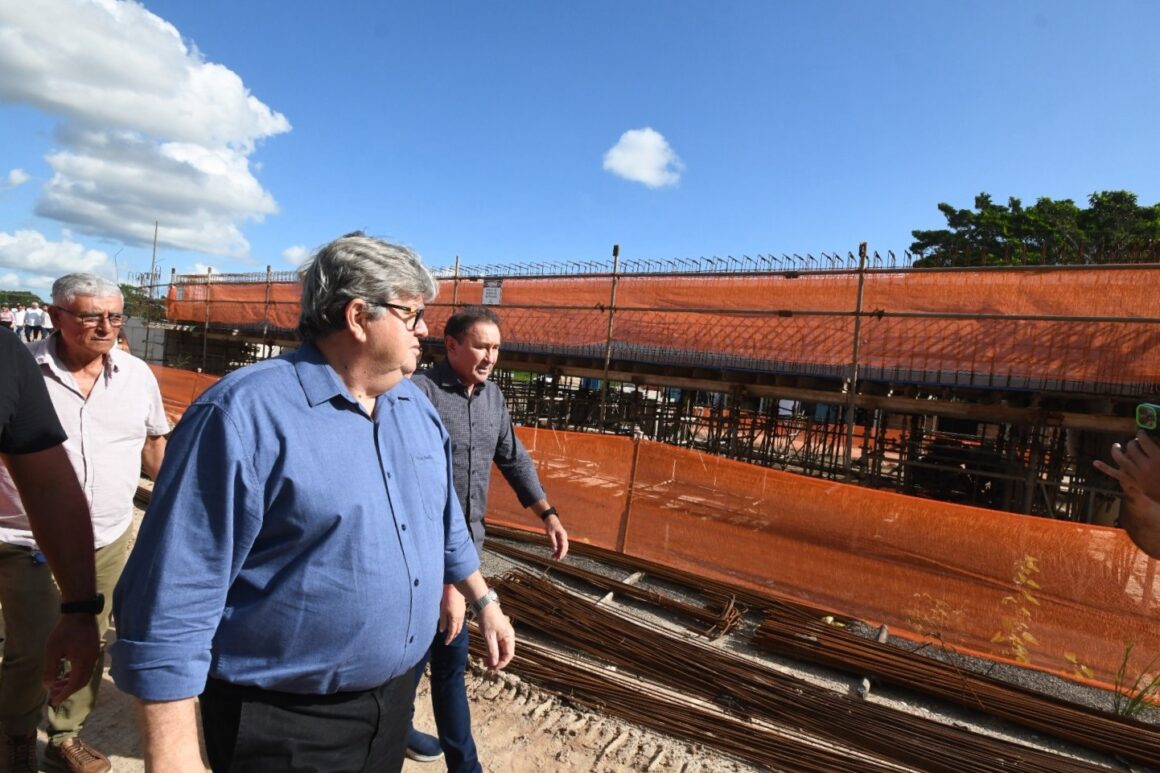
20,756
77,756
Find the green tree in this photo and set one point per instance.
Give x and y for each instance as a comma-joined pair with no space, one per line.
139,304
1112,229
12,297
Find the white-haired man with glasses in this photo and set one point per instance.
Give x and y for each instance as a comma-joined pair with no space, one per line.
109,405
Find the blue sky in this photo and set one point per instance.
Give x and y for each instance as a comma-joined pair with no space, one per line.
521,132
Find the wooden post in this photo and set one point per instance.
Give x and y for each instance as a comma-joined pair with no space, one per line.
852,382
266,312
455,287
608,342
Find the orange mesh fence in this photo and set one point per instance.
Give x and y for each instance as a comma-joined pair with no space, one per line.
584,474
763,321
1058,596
179,388
238,304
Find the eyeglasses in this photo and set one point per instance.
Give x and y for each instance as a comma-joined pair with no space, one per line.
91,319
412,315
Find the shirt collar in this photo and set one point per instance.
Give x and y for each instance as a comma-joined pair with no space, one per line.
48,356
320,383
443,375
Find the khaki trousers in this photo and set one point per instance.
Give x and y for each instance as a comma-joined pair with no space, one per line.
31,606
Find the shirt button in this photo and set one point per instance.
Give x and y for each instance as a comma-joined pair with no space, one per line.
411,640
416,583
403,527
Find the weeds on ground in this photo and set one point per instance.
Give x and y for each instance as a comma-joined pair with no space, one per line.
1015,632
1130,701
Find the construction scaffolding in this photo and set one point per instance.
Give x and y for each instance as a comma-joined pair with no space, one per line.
1061,597
1010,328
978,386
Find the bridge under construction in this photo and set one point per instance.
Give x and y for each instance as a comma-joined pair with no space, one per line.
846,435
980,386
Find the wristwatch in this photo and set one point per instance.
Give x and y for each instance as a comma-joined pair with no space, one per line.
91,606
484,600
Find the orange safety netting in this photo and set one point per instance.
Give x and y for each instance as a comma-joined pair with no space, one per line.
1058,596
757,321
1054,595
179,388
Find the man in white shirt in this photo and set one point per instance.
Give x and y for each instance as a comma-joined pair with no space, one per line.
18,314
33,319
110,407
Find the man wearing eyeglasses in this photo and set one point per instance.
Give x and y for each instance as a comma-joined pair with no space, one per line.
109,405
287,577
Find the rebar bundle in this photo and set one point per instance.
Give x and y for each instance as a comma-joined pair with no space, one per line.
787,631
604,691
754,692
717,619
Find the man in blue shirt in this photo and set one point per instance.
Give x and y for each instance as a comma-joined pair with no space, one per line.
303,525
477,418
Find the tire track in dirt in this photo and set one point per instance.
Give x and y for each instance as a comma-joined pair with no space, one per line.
519,727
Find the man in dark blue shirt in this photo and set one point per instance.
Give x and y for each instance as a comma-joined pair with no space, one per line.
477,418
303,525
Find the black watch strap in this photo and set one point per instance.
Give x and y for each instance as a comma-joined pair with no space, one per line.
91,606
550,511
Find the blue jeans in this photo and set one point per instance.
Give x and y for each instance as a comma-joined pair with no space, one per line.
449,702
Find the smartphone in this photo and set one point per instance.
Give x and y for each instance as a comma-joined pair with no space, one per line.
1148,418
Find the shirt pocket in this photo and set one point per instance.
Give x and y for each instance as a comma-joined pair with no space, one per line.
431,481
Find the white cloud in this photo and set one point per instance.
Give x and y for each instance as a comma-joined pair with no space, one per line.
644,156
295,255
9,280
203,268
153,131
16,178
32,253
39,282
117,184
114,64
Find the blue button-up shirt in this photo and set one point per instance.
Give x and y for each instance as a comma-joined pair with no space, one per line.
293,542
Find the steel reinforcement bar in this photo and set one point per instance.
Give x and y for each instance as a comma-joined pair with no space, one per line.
609,693
752,691
789,631
799,631
717,619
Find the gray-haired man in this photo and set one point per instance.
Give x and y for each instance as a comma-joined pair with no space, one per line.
110,407
295,551
31,451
